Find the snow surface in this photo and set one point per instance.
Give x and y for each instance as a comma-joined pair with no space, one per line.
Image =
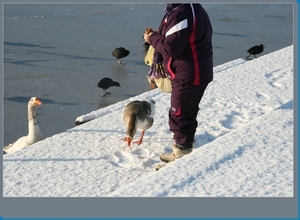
244,144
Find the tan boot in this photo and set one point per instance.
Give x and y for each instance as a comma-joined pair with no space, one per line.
176,154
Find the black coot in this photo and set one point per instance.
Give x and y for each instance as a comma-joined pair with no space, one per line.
105,83
120,53
255,50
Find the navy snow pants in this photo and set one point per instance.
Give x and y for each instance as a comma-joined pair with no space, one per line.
185,100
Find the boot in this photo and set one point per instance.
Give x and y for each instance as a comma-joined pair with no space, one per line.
177,153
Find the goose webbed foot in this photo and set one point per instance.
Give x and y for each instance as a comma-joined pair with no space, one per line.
128,140
138,142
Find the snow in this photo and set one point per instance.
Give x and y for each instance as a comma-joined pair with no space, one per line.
244,144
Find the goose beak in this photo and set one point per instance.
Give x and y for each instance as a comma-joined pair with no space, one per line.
38,102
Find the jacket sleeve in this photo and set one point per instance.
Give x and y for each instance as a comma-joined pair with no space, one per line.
176,37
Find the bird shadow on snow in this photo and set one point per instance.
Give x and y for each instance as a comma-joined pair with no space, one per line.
24,99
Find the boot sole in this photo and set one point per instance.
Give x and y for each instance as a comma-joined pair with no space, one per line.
163,160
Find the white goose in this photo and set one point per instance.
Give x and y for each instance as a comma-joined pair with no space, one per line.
138,114
34,133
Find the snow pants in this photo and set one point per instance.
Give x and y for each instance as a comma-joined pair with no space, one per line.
185,100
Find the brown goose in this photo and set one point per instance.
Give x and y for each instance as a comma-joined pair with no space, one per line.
138,115
34,133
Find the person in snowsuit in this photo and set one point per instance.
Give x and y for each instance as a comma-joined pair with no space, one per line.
184,41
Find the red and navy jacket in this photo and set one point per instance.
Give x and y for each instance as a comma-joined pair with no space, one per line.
184,39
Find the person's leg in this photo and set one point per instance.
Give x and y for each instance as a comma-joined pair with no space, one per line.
183,112
183,118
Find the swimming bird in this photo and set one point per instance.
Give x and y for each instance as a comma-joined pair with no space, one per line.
255,50
105,83
34,133
138,115
120,53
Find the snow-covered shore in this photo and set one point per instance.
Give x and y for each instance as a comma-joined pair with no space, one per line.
244,144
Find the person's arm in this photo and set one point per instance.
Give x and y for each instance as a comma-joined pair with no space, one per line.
176,38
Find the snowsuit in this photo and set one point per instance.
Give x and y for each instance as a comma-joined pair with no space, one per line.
184,40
